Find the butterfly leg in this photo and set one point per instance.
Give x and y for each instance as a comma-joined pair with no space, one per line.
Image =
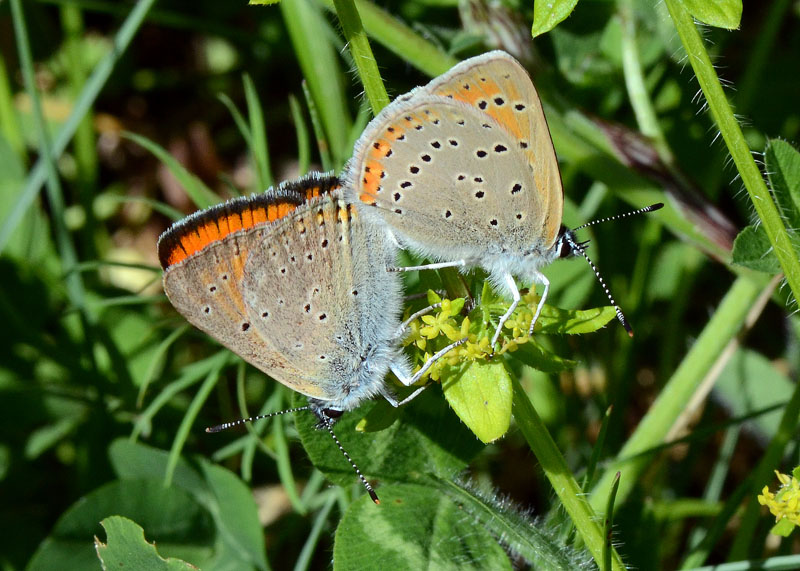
401,331
402,375
408,381
546,283
413,395
437,266
515,297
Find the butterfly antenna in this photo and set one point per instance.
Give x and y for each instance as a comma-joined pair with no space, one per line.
645,210
578,247
227,425
370,490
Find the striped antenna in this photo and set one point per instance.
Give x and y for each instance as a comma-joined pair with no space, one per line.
578,247
575,246
326,422
227,425
645,210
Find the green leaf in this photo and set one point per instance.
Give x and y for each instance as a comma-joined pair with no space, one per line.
126,547
313,41
750,382
262,2
783,169
428,438
547,14
784,528
534,355
752,249
179,524
220,492
481,397
572,322
719,13
538,542
201,195
381,417
259,149
414,527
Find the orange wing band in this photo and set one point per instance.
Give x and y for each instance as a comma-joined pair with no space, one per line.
194,233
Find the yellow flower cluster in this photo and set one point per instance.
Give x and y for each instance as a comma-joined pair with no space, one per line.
434,331
785,503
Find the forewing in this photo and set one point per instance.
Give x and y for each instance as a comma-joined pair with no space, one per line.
204,259
448,179
496,84
317,289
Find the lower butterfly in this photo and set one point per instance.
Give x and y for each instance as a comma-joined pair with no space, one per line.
295,282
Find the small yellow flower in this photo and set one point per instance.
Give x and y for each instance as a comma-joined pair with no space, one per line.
785,502
442,322
414,336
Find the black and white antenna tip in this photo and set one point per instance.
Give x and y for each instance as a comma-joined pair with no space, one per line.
370,490
227,425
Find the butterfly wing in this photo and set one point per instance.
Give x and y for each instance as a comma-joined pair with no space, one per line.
448,180
317,288
498,85
204,258
486,104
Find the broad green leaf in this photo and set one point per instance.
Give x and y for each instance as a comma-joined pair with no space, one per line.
752,249
749,383
720,13
547,14
481,397
534,355
219,491
381,416
171,517
414,527
538,542
126,548
427,438
556,320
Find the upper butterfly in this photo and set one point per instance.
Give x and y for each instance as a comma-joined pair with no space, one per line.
463,171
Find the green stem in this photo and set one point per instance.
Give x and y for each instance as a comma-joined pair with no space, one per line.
704,354
362,54
556,470
737,146
191,415
634,82
309,32
401,40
